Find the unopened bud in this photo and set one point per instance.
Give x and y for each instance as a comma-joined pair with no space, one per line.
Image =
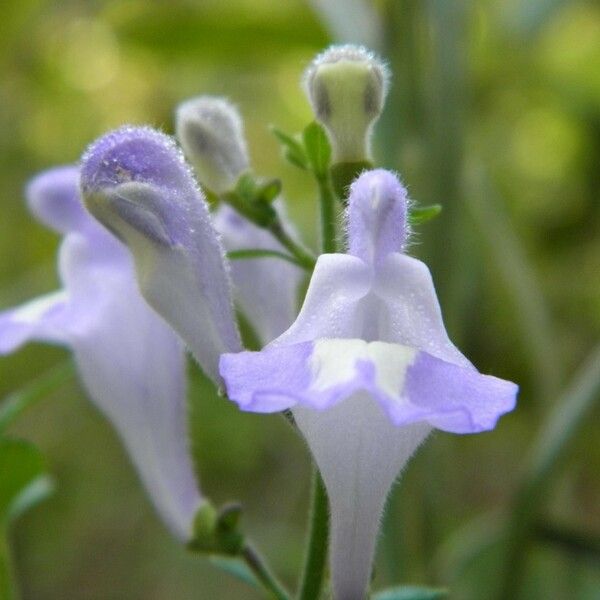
210,130
346,86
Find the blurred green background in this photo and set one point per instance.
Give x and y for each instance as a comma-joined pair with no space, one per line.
494,112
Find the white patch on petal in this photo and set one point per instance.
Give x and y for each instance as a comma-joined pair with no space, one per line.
334,362
391,363
33,311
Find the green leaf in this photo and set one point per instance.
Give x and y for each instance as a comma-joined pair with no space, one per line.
23,480
318,149
13,405
268,191
422,214
411,592
293,150
246,186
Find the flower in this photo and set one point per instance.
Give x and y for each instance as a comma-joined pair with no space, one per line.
131,363
135,182
368,370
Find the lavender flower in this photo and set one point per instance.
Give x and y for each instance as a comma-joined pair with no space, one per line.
136,183
368,370
130,362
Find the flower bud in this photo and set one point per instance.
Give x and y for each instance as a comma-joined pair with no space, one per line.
210,130
346,86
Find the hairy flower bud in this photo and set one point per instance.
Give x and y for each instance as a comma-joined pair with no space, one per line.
210,130
346,86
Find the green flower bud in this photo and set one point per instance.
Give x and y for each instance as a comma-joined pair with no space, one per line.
210,130
346,86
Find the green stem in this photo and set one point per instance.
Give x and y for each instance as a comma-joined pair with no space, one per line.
561,428
258,566
258,253
8,586
577,543
313,573
303,256
16,403
328,217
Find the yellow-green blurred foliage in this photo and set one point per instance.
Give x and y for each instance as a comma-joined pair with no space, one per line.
494,113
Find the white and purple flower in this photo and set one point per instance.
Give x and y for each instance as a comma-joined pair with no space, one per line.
366,367
129,360
368,370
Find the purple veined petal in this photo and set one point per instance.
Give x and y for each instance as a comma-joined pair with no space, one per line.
266,289
137,184
332,305
376,216
131,363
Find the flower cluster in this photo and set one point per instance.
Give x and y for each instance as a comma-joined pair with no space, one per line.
365,367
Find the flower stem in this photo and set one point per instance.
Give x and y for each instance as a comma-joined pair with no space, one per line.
258,566
327,202
303,256
8,588
260,253
16,403
316,552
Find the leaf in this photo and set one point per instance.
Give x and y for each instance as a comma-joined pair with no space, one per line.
246,187
23,481
318,149
422,214
13,405
268,191
293,150
411,592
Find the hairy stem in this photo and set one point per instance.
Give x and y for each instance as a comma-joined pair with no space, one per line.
8,587
313,573
303,256
328,217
